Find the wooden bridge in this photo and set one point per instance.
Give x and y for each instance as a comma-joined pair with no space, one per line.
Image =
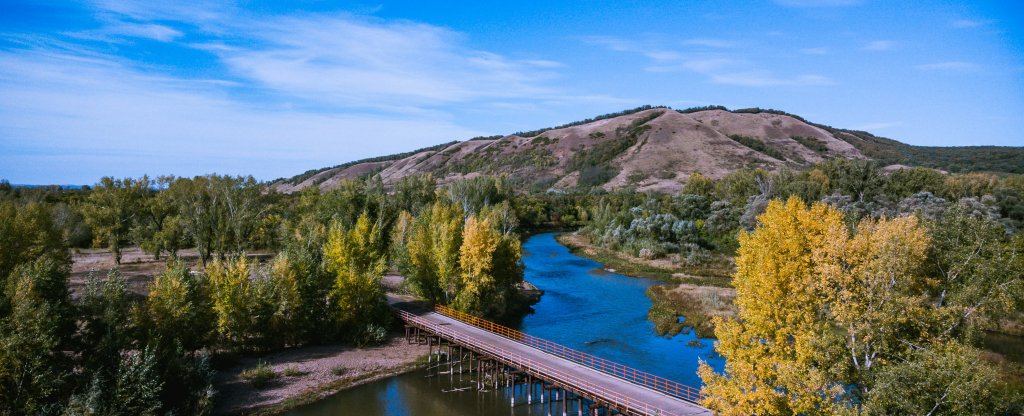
507,358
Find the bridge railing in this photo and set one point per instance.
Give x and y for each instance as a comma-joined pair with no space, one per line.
651,381
524,363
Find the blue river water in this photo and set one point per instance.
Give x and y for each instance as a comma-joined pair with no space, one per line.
583,307
605,314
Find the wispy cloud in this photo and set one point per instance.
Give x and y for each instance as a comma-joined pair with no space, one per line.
820,50
879,45
298,90
113,119
717,68
956,66
817,3
969,23
710,43
766,79
112,32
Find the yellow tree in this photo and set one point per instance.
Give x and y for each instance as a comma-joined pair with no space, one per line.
476,256
773,351
356,259
231,295
179,307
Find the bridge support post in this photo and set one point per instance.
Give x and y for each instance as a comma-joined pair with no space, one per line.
529,390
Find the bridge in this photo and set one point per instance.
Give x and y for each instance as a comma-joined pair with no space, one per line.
537,369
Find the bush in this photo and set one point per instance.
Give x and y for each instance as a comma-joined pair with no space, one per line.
757,145
261,375
812,143
372,334
339,370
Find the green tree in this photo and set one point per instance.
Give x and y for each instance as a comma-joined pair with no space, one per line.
698,184
35,372
113,208
433,252
107,327
950,379
26,233
906,182
978,268
158,229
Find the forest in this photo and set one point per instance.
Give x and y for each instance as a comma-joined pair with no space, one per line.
105,350
857,289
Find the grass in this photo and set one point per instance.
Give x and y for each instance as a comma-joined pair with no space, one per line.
292,372
261,375
339,370
717,272
699,304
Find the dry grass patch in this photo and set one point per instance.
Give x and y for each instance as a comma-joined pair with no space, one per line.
699,304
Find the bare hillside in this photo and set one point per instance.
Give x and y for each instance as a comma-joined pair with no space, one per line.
651,149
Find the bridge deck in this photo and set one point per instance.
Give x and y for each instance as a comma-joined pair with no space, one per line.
638,399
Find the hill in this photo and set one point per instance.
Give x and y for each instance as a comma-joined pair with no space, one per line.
655,149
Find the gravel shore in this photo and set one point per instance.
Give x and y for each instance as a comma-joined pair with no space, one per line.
315,375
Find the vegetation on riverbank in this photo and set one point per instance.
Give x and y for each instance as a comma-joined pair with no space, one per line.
878,318
106,351
698,305
325,252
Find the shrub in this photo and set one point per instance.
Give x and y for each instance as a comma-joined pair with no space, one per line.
339,370
261,375
812,143
757,145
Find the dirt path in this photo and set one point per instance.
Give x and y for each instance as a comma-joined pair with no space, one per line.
316,376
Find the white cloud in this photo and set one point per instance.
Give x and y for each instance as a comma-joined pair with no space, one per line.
956,66
766,79
112,119
710,43
820,50
969,23
346,61
114,31
718,68
879,45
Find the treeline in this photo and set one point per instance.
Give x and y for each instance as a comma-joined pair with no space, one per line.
880,317
706,216
106,351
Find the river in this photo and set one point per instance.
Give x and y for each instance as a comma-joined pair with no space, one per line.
583,307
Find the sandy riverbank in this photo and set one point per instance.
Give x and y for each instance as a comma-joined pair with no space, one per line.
315,377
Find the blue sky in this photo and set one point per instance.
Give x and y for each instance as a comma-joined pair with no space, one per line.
123,88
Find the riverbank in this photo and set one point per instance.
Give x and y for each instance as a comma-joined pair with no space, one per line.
716,272
308,374
697,293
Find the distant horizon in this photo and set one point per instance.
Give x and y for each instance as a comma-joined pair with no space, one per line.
268,180
96,88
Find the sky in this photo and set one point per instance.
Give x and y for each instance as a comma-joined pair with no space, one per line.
272,89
